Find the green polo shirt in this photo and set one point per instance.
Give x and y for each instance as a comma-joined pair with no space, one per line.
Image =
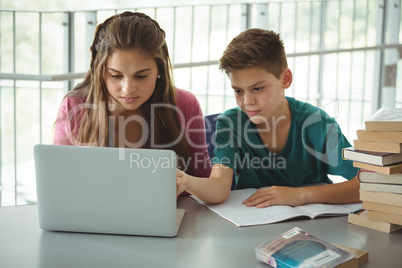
312,151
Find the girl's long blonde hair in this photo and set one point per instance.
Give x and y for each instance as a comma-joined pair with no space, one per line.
126,31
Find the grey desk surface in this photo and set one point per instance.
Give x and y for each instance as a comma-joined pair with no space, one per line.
204,240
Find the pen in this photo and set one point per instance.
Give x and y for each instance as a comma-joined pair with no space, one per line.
357,211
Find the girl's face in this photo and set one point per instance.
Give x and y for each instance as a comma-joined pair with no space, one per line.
130,78
259,93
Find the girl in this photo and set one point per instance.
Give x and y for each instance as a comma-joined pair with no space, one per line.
127,98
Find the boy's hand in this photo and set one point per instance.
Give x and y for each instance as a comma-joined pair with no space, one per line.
180,182
275,195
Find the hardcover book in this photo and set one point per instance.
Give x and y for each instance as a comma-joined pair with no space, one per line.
385,119
365,175
360,218
297,248
374,158
378,146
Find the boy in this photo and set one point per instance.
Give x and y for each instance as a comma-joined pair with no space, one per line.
272,140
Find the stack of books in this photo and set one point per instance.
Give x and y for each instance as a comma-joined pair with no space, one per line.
378,153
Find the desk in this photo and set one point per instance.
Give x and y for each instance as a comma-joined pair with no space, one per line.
204,240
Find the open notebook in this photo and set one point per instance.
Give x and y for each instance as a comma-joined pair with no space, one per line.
240,215
107,190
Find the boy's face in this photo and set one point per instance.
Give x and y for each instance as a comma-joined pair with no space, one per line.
260,94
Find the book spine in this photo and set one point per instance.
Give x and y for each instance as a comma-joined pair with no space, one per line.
382,207
375,225
365,135
381,197
383,147
387,217
378,187
387,170
389,126
383,170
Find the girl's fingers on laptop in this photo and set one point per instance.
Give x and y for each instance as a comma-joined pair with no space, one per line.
180,186
179,173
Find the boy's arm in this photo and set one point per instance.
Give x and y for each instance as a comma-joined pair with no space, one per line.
337,193
215,189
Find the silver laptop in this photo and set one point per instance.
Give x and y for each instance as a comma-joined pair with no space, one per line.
107,190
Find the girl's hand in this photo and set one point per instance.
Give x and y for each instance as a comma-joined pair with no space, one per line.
180,182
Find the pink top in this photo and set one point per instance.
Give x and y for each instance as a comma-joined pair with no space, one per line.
188,107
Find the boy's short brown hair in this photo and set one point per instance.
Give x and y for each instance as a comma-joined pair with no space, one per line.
255,48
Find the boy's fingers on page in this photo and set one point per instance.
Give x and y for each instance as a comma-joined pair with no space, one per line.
275,195
262,196
266,204
251,198
261,203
